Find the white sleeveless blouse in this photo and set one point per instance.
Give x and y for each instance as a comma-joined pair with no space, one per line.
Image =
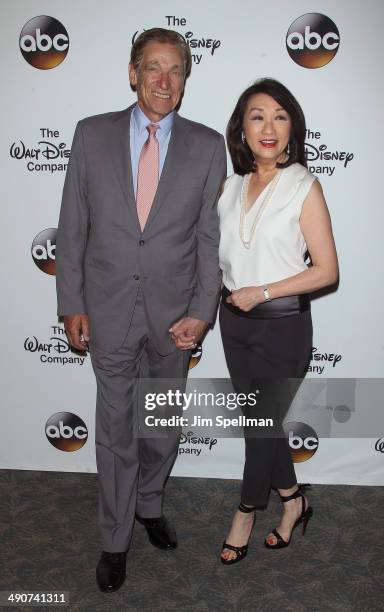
278,246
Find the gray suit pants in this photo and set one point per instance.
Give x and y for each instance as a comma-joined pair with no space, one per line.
132,470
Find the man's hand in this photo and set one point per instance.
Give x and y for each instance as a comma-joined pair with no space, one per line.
246,298
77,330
187,332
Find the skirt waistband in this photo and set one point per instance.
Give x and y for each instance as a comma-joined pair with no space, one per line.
275,309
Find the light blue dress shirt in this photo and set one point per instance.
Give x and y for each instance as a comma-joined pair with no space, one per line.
139,134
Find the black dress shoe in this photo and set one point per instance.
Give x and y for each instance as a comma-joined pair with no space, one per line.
160,533
110,571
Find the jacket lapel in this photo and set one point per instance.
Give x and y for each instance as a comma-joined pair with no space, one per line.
120,152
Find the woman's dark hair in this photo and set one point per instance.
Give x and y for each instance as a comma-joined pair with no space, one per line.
241,155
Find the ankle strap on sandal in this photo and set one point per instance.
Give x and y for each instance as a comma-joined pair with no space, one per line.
246,509
287,498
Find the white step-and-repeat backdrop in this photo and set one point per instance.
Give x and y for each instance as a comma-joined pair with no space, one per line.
62,61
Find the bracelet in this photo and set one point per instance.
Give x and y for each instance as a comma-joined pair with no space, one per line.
266,294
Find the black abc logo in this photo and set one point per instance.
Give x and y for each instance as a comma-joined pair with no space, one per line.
195,356
43,250
312,40
66,431
44,42
303,440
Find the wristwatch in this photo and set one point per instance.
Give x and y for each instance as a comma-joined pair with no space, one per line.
266,294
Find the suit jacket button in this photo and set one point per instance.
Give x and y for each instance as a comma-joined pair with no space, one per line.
141,243
136,276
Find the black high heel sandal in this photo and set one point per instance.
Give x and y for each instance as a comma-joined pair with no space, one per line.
241,551
303,520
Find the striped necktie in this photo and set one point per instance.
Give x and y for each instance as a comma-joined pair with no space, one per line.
147,175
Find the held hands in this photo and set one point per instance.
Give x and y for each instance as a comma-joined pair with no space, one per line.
77,330
246,298
187,332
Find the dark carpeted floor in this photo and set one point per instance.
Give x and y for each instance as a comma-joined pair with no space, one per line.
49,541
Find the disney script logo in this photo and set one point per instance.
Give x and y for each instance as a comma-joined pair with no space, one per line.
194,42
332,358
194,442
50,150
60,345
53,351
44,150
316,152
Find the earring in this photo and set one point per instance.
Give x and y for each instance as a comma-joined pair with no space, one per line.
243,137
287,150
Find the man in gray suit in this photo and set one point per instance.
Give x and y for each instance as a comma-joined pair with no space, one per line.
138,282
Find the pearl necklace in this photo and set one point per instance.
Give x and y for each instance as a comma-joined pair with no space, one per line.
264,204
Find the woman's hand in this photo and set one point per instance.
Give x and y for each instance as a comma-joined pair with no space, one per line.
246,298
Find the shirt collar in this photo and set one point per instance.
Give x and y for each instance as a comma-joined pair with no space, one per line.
141,122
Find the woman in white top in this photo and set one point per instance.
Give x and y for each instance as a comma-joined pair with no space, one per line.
272,212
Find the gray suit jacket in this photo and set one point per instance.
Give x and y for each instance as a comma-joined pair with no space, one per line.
101,254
